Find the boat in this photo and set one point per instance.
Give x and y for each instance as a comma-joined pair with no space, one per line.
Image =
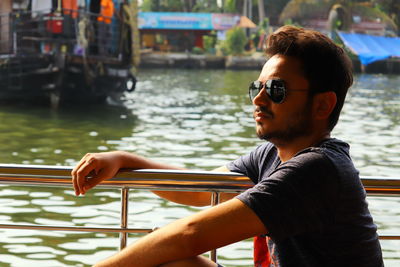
62,52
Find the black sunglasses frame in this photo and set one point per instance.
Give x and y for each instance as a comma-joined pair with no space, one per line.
275,88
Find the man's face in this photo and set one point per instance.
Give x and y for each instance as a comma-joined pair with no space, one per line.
284,122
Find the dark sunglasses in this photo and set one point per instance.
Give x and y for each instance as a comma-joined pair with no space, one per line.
275,89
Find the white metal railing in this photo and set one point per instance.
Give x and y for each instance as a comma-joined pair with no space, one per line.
215,182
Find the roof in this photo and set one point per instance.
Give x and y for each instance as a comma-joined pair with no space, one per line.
245,22
370,48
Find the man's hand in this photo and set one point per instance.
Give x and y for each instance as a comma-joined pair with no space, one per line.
99,166
102,166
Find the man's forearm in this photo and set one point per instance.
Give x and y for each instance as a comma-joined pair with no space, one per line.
212,228
134,161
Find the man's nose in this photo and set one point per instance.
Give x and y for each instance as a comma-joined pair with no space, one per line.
261,99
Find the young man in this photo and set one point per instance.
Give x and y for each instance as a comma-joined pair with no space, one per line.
307,207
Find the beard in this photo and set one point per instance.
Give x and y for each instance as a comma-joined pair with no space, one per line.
298,125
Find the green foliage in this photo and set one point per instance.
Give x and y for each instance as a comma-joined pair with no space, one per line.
274,8
230,6
197,50
206,6
291,22
298,10
263,25
171,5
236,40
222,48
209,42
147,6
162,5
375,13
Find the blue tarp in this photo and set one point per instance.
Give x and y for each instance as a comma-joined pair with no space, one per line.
371,48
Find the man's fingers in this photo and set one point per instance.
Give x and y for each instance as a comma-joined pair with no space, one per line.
81,173
80,163
91,170
74,173
97,178
74,183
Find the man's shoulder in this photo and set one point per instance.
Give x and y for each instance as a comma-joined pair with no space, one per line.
264,152
331,157
327,149
265,146
322,157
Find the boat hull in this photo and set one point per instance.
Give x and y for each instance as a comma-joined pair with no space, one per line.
40,79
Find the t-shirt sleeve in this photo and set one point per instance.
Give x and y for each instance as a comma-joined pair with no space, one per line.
299,196
251,164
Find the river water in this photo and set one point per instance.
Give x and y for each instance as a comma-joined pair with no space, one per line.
196,119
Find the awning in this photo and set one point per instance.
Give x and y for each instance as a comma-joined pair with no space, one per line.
370,48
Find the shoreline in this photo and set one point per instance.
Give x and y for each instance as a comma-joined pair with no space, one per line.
253,62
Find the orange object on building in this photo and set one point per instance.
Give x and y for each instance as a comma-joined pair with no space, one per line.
106,11
70,7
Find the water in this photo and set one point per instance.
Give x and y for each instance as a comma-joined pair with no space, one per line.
194,119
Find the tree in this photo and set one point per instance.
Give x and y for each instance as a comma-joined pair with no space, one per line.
188,5
233,6
236,40
392,8
261,11
208,6
341,12
162,5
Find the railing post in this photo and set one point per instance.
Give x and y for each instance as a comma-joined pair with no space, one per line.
214,202
124,216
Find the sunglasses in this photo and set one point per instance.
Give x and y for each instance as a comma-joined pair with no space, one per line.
275,89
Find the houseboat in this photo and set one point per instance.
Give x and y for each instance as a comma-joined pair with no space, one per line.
61,51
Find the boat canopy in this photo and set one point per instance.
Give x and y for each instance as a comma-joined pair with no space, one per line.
370,48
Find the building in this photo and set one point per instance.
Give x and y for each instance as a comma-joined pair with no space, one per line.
179,31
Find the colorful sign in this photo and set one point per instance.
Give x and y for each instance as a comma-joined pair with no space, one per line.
175,20
224,21
187,21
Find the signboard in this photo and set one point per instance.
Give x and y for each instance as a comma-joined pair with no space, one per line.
224,21
175,20
187,21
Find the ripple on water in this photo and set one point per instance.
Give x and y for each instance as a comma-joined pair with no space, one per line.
18,261
10,192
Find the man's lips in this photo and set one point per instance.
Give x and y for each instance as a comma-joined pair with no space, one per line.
261,113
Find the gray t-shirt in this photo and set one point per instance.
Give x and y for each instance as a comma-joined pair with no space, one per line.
313,206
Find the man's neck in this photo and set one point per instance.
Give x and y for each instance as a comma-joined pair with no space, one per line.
286,150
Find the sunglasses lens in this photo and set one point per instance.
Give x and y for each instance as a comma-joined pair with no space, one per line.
254,89
276,90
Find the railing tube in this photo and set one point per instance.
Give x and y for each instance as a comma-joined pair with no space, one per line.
123,236
214,202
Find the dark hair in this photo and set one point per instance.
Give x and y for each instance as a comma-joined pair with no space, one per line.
325,65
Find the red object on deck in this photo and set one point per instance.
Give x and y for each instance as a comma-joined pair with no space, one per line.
54,24
262,257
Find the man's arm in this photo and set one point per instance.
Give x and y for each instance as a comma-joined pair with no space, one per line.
102,166
195,198
105,165
218,226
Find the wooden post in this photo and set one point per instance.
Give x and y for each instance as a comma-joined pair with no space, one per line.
135,45
5,26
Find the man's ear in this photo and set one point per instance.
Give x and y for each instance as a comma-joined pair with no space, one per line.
323,105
